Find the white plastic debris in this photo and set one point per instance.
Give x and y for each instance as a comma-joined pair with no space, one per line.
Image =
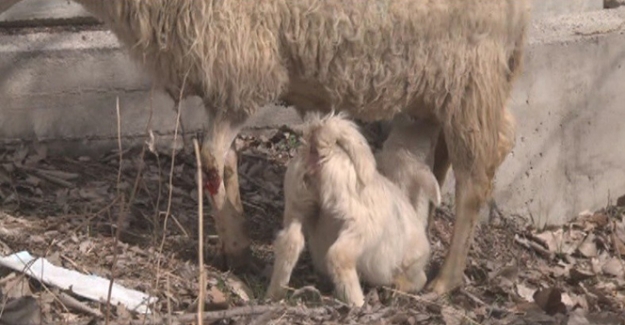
87,286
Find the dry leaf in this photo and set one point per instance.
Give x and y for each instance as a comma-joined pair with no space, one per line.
588,247
614,267
596,265
85,246
32,180
23,311
41,153
618,245
550,300
619,230
17,287
525,292
123,313
599,219
574,301
218,300
561,269
239,288
577,275
578,317
561,242
451,316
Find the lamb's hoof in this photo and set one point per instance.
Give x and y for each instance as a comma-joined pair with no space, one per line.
441,286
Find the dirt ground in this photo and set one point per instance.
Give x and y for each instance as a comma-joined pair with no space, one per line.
94,216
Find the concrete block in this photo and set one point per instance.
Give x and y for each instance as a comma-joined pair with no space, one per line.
569,106
43,12
64,86
550,8
7,4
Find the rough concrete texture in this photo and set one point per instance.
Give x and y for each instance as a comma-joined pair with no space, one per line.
64,86
549,8
569,105
7,4
41,12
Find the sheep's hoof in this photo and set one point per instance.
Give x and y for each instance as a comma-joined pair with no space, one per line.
239,261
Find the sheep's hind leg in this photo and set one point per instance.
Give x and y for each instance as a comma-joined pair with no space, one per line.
474,151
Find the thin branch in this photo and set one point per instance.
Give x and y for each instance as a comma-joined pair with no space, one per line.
200,244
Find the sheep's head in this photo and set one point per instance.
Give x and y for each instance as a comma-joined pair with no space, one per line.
215,148
213,180
213,170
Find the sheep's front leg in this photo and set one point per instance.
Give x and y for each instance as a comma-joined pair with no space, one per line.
342,259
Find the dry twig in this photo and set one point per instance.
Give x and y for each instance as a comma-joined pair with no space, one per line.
73,303
531,245
200,203
171,177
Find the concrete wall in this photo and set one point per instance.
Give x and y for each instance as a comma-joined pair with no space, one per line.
41,12
570,108
62,87
550,8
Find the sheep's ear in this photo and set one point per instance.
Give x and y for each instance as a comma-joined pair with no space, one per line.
429,185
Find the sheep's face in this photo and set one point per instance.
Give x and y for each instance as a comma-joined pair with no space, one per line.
213,181
215,153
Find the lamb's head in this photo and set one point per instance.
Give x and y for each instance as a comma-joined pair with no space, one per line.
334,134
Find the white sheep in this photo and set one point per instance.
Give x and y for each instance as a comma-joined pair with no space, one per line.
451,60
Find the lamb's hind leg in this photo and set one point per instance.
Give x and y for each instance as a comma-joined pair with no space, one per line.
342,259
412,280
473,145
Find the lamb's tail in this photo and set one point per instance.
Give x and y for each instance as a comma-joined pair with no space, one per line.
336,130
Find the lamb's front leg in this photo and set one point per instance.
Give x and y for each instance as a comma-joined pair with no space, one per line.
287,247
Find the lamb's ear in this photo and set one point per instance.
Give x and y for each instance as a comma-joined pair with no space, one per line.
429,185
358,151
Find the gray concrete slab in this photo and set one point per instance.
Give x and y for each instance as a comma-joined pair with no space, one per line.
42,12
569,106
62,87
550,8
